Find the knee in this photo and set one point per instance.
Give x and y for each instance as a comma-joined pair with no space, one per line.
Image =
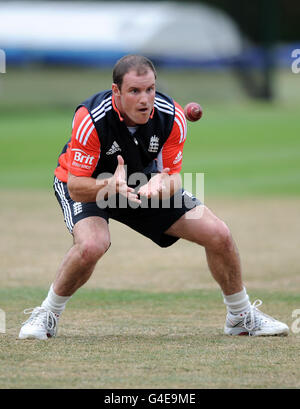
220,237
91,251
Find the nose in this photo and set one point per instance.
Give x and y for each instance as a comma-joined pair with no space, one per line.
143,98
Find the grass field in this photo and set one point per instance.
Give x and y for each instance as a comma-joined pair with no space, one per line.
243,147
136,339
152,318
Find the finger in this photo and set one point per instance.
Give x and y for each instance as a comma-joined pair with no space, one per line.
120,166
130,189
144,192
124,190
166,170
120,169
145,195
134,198
120,160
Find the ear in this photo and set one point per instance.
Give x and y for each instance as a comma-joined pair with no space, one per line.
115,90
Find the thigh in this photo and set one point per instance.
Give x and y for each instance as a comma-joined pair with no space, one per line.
198,225
92,229
74,212
153,221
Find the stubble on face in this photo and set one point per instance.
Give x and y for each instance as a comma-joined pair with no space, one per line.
135,99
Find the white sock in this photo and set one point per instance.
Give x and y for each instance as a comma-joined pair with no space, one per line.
54,302
237,303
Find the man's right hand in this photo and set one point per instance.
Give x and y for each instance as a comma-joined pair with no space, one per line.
117,184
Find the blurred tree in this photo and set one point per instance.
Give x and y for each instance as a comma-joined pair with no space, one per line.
252,16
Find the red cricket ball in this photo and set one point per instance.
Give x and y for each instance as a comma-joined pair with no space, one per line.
193,111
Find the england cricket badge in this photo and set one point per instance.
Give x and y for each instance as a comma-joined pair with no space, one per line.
154,144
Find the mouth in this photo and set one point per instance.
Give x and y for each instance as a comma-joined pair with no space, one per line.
143,110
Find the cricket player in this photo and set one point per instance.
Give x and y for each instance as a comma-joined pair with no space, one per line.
123,161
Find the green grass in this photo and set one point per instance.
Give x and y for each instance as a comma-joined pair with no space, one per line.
136,339
254,150
244,147
30,147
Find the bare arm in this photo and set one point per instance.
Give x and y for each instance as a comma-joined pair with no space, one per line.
83,188
86,189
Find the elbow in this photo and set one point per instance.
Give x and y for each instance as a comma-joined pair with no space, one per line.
73,191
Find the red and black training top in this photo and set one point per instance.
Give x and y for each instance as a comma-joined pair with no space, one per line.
99,135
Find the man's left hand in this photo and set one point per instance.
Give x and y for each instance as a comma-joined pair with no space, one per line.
161,186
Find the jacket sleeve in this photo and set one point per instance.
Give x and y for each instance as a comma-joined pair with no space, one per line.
84,147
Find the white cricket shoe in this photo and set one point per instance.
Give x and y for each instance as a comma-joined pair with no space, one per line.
42,324
255,323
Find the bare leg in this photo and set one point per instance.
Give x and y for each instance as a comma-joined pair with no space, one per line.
91,241
221,252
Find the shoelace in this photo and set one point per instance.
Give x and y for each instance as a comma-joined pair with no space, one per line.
251,314
50,319
255,319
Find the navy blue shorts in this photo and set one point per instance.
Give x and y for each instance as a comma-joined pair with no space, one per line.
150,220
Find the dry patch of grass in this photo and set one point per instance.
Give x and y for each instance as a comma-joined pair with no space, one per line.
149,317
34,240
128,339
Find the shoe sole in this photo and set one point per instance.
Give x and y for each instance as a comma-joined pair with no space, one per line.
40,337
241,332
32,337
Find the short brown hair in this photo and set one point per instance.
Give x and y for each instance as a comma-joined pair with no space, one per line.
131,62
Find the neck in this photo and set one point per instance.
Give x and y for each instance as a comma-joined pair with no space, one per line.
121,113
